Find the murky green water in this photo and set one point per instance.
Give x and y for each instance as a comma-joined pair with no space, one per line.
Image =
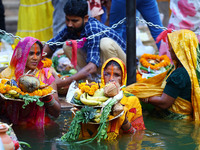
160,134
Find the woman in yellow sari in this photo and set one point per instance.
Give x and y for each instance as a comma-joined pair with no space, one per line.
176,95
114,70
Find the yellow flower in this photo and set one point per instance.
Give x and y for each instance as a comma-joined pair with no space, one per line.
7,87
47,62
3,81
39,92
86,88
18,90
44,92
91,92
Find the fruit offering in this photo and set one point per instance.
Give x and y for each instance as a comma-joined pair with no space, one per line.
94,94
91,94
9,89
151,65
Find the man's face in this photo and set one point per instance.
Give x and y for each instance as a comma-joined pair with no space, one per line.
75,24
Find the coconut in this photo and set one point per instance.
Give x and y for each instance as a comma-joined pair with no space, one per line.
117,109
111,89
29,83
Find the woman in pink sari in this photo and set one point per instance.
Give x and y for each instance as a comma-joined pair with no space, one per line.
27,58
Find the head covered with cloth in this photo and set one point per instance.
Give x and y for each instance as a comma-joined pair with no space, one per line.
184,49
114,70
27,59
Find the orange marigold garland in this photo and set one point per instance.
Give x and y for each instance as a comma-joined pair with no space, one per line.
5,88
150,64
155,62
47,62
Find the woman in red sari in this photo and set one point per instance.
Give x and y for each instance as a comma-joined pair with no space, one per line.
27,58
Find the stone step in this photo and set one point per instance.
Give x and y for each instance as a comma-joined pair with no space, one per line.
11,15
14,4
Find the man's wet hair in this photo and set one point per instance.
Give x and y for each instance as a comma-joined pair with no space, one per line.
76,8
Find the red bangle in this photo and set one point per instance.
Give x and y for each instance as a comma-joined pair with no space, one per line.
130,130
49,100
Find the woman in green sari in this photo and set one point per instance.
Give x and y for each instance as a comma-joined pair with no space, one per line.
175,95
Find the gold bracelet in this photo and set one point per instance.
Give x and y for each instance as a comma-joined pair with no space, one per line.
146,100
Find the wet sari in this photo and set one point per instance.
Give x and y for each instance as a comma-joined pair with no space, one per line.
132,109
186,47
32,114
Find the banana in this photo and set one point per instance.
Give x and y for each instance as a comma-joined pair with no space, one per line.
99,92
88,102
97,120
77,94
8,95
16,95
12,92
98,115
99,98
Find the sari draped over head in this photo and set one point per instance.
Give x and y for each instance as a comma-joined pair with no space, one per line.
19,57
132,109
122,65
185,45
32,114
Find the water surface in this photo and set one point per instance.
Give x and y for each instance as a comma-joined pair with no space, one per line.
160,134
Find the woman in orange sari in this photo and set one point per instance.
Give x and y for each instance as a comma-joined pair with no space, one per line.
114,70
27,58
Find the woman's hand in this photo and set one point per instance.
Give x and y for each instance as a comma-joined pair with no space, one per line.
52,103
127,126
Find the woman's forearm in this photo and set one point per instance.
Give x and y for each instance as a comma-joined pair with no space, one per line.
157,101
52,105
127,126
163,102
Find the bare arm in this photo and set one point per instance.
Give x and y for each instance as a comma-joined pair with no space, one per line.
47,50
55,107
90,68
163,102
127,126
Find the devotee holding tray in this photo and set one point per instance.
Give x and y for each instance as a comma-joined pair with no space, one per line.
175,94
26,59
91,53
114,73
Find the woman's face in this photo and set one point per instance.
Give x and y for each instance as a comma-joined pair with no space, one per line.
113,73
173,55
34,57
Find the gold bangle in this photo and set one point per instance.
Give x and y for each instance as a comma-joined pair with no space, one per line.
146,100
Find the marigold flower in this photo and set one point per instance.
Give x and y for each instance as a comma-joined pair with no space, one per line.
163,61
47,62
3,81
